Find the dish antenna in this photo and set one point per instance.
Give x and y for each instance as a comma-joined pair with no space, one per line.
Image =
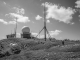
26,32
44,28
25,29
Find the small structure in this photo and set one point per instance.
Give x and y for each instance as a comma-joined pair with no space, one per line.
10,36
26,32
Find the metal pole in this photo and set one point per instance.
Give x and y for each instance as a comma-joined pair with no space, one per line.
16,28
40,32
44,23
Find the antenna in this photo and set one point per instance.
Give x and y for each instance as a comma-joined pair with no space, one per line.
45,29
44,23
16,27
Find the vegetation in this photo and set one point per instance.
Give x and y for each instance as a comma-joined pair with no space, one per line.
29,49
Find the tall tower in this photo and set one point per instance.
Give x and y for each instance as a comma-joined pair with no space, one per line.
44,23
44,28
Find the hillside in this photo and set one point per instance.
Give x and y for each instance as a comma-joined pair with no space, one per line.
30,49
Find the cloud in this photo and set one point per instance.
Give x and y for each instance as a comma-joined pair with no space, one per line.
18,14
59,13
19,10
12,22
77,4
52,34
3,21
4,3
20,18
40,36
48,21
34,34
72,23
55,33
38,17
7,23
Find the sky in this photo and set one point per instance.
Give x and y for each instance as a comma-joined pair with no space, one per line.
62,17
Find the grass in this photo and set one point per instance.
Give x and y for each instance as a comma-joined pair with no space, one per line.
41,50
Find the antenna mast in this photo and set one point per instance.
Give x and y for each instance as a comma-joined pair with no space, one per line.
45,29
44,23
16,28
